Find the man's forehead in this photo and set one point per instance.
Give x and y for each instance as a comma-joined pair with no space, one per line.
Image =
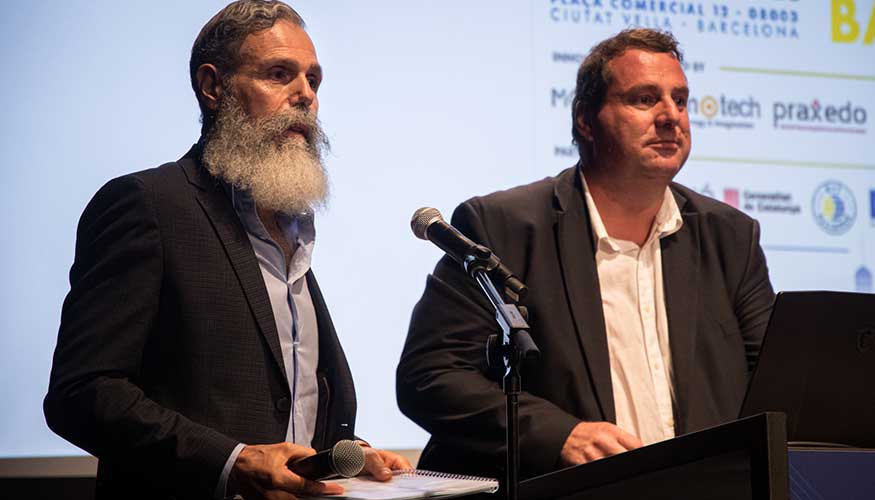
637,66
283,39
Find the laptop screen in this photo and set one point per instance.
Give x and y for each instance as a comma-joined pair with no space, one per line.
817,364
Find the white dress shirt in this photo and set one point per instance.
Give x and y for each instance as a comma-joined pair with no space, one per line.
293,312
633,301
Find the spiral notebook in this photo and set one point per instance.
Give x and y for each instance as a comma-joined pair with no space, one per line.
410,484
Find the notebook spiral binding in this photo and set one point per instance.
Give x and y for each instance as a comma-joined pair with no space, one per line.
441,475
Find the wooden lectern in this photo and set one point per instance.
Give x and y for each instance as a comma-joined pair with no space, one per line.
744,459
747,459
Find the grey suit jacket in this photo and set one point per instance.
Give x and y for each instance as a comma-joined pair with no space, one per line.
718,298
168,353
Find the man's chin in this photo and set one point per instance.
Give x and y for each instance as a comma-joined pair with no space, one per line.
663,168
672,162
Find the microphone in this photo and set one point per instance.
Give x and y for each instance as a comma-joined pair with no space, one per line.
346,458
428,224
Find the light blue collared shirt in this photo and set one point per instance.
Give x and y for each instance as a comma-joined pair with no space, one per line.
293,311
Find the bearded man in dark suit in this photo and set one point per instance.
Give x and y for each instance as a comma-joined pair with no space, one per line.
647,300
196,356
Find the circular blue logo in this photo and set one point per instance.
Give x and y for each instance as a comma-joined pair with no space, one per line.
834,207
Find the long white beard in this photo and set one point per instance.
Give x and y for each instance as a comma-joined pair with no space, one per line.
282,174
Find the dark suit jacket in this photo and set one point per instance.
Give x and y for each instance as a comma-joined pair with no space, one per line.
718,299
168,353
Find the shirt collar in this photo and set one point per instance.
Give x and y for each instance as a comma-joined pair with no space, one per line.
668,220
299,230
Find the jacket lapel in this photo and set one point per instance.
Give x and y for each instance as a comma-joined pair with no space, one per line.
335,418
223,218
579,275
680,274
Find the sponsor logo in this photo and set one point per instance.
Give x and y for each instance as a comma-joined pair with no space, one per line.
872,206
819,117
730,196
863,280
833,207
574,58
723,111
768,202
561,97
706,190
846,25
709,107
565,151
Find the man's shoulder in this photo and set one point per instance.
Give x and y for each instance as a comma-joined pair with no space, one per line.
163,176
169,174
169,185
528,202
163,180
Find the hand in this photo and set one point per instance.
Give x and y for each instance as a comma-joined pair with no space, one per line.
590,441
381,463
261,472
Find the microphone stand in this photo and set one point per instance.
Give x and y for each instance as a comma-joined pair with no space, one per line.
516,347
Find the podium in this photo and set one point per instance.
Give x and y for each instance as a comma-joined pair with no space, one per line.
744,459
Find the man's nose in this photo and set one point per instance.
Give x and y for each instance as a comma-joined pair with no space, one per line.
669,113
301,93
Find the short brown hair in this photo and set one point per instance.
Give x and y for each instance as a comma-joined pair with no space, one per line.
594,77
220,39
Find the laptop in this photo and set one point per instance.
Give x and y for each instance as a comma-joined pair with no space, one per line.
817,365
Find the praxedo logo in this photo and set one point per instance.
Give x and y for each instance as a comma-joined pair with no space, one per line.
818,116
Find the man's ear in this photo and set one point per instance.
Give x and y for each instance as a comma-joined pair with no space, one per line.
209,84
584,128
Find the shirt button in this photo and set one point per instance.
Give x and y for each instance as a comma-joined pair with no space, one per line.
284,405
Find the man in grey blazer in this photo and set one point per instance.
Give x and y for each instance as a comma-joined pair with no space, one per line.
196,356
647,300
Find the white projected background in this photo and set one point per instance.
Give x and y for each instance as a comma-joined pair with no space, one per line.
426,104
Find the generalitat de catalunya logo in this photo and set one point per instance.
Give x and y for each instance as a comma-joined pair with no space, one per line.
833,207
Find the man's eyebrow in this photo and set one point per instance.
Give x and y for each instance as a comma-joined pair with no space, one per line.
653,87
641,87
291,63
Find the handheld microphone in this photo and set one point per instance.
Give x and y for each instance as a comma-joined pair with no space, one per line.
346,458
428,224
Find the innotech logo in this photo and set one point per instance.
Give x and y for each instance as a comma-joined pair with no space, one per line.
724,111
817,116
833,207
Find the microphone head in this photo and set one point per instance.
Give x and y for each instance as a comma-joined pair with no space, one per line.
423,218
348,458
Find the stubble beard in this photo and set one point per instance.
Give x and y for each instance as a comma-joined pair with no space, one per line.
281,173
